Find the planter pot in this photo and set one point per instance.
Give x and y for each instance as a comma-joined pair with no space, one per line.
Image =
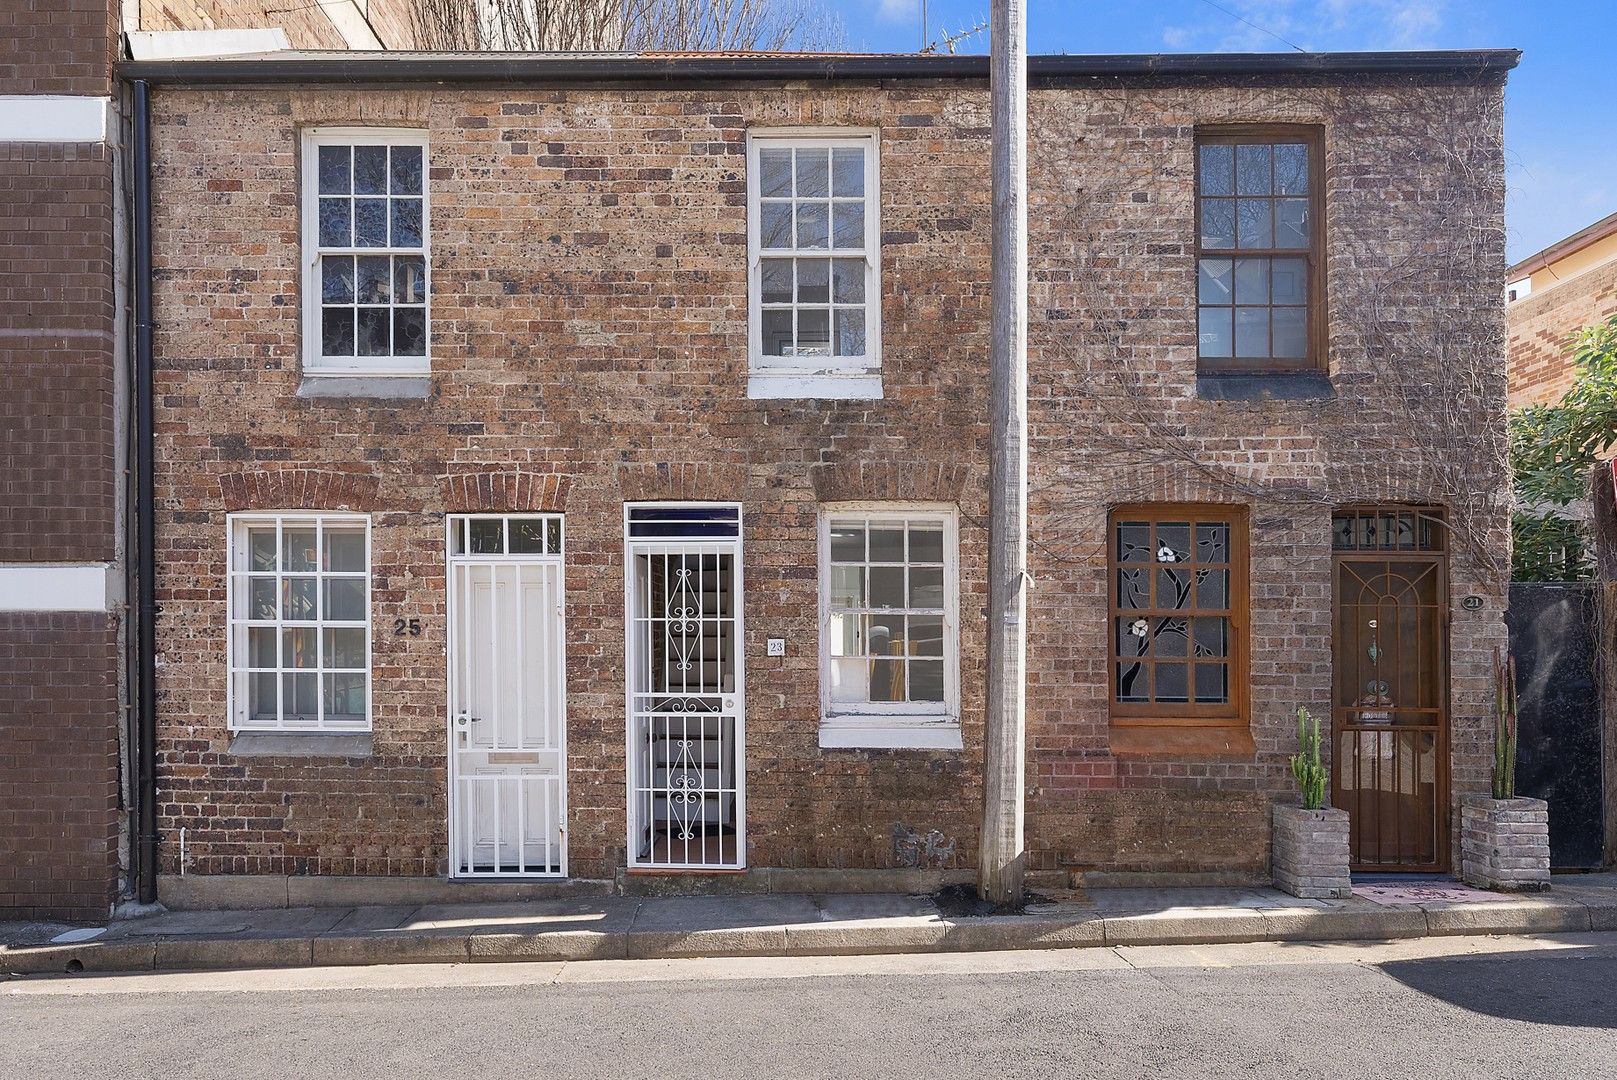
1505,843
1310,852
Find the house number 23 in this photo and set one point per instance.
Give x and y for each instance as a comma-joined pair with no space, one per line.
407,626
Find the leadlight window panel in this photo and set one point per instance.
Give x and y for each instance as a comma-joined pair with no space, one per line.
1389,528
299,603
1177,613
1258,266
365,229
888,638
815,295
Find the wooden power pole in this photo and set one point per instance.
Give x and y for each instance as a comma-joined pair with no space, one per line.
1000,859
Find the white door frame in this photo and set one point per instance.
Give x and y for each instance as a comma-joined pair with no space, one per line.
553,559
700,545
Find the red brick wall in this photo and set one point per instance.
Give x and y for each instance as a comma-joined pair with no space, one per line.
1540,366
589,310
58,46
56,346
58,765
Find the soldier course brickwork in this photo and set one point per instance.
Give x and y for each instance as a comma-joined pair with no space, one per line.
589,320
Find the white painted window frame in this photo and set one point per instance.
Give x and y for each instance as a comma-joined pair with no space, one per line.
315,363
236,533
898,725
816,377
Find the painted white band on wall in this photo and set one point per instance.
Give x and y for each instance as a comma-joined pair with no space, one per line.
48,118
59,587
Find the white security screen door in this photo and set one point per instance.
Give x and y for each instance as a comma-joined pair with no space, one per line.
507,707
686,743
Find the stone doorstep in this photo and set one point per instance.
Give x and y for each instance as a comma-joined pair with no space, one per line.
852,936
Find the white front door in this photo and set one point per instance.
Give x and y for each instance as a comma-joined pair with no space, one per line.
686,687
507,703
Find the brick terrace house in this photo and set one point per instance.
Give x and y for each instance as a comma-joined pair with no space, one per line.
575,467
1567,286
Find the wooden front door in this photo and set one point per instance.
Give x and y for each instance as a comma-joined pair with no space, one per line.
1391,755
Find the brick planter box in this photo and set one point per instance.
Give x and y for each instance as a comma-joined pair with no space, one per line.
1505,843
1310,852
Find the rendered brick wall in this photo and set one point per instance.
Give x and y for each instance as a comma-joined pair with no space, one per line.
58,766
589,324
1539,325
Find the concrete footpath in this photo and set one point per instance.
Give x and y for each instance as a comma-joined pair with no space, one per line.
615,928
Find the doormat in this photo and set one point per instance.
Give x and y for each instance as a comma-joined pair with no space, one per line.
1425,892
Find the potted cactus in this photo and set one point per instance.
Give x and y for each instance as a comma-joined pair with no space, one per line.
1310,840
1504,838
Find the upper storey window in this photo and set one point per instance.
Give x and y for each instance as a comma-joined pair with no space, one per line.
365,248
1259,268
813,255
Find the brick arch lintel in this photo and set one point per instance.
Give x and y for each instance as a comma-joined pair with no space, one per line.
675,481
502,491
298,489
884,481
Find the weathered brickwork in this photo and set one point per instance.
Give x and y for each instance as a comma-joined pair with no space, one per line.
1505,843
589,334
1539,325
58,766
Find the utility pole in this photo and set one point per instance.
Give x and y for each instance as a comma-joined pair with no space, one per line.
1001,860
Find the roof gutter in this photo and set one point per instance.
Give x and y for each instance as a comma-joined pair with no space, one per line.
397,67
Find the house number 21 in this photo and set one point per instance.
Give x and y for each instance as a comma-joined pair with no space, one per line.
407,626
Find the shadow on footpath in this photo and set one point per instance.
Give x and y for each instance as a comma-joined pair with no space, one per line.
1568,987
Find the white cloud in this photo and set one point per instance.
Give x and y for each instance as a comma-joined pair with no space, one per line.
898,10
1313,24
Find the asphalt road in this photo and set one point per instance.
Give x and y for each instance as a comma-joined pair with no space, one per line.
1428,1009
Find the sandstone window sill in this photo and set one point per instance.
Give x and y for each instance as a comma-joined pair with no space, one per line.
375,387
888,733
1182,741
343,744
774,386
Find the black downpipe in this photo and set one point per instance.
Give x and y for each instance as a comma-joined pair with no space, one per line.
145,503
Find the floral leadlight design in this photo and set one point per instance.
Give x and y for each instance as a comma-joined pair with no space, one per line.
1172,638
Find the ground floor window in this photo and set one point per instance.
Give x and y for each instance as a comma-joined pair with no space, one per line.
1178,583
888,643
299,603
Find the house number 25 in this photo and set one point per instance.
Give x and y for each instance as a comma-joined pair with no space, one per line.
407,626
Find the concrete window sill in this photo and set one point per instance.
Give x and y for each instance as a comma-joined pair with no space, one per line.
885,733
301,744
376,387
1274,386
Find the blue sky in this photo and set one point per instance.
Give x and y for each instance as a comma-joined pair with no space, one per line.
1561,105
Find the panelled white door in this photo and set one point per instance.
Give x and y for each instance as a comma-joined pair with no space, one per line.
507,704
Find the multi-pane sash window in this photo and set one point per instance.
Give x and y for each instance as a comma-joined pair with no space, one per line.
1258,285
1178,590
299,599
815,297
365,234
888,588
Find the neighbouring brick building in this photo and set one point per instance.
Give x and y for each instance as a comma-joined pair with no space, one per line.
66,763
583,471
1569,285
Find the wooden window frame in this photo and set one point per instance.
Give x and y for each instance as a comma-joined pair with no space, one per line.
1316,333
315,362
239,575
1229,716
898,725
831,376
